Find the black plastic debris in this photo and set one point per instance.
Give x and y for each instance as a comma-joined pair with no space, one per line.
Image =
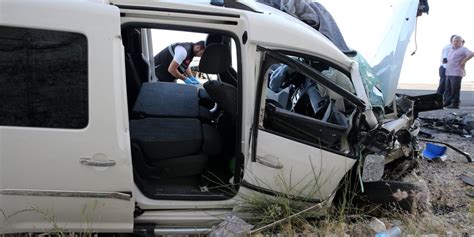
467,179
461,124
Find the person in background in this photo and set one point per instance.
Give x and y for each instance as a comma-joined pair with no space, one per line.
442,67
455,71
173,62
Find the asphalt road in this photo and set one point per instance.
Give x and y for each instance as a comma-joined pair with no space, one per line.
467,95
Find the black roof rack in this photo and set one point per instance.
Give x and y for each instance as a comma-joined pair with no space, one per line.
219,3
233,4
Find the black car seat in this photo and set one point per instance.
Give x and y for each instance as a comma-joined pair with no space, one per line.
132,81
224,94
172,147
217,60
136,66
228,76
164,99
175,146
141,63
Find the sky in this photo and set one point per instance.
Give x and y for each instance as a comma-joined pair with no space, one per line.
432,33
163,38
445,18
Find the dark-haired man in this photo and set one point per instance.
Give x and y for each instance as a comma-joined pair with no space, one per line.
173,62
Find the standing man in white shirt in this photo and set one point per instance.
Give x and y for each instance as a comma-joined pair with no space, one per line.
442,67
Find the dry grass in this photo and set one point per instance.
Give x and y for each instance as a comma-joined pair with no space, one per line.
55,229
346,218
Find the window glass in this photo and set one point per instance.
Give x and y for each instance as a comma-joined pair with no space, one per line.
301,108
43,78
287,88
162,39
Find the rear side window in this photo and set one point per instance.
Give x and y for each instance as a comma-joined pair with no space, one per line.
43,78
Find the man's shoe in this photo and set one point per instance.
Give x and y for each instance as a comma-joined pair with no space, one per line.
453,106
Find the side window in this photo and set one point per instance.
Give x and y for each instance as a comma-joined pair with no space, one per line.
43,78
162,39
300,107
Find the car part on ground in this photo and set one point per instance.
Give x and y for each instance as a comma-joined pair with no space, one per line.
461,124
467,179
468,157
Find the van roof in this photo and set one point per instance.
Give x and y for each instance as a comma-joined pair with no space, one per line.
269,27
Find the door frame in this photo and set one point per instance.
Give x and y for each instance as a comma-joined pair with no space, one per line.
268,57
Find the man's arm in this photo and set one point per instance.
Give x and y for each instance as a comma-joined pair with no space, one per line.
189,71
444,54
179,56
464,61
467,58
173,69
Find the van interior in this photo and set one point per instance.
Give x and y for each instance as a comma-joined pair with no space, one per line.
300,106
184,138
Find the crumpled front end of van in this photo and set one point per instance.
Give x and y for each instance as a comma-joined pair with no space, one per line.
383,133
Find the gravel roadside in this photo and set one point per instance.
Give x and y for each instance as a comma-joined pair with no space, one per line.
449,198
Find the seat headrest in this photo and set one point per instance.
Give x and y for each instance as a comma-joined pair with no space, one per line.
215,59
213,39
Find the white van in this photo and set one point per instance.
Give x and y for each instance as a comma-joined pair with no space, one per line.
91,139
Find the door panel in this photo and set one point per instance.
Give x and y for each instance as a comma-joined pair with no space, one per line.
62,103
301,170
300,143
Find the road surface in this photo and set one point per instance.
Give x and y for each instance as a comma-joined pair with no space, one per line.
467,91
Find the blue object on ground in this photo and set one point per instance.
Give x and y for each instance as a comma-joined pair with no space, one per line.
433,151
393,232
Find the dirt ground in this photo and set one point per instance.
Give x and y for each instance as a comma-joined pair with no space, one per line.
448,193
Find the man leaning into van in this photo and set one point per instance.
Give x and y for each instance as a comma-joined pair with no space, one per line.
173,62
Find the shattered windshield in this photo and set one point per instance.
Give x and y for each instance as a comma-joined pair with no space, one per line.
371,82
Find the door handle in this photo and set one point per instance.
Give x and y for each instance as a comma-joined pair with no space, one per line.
99,163
269,161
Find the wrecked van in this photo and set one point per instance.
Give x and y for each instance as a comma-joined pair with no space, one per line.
91,139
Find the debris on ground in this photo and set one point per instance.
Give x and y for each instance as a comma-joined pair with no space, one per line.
456,123
465,154
393,232
231,226
377,225
433,151
448,198
470,193
467,179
